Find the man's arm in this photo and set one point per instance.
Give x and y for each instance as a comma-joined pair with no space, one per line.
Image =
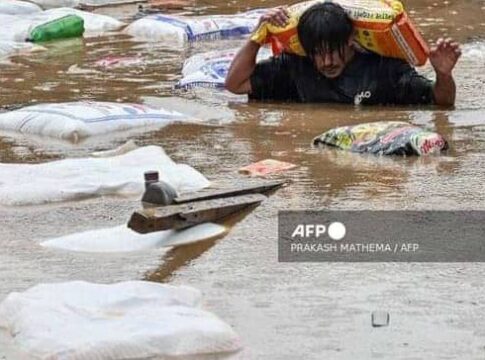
443,58
242,67
244,63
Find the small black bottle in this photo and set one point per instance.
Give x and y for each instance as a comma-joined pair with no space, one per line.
157,192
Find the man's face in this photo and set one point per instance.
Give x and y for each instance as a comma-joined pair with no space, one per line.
332,64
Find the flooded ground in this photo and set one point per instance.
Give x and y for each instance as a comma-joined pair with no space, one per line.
281,311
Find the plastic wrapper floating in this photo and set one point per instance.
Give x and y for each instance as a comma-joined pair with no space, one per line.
384,138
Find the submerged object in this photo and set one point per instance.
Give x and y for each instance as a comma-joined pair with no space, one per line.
66,27
380,318
384,138
381,26
266,167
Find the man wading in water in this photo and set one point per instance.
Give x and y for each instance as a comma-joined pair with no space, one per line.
336,72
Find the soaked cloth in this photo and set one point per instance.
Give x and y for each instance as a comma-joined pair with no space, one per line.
179,29
123,239
19,27
126,320
16,7
384,138
77,120
368,79
81,178
210,69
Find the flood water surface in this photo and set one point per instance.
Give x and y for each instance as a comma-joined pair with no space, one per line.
281,310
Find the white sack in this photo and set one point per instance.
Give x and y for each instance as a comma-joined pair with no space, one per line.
77,120
210,69
50,4
179,29
96,3
19,27
127,320
74,179
122,239
16,7
94,24
10,48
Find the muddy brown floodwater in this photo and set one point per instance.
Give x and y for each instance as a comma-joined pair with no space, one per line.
281,310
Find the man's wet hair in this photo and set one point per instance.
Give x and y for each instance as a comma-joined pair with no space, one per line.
324,28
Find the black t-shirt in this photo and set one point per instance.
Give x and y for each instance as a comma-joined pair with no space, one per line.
367,79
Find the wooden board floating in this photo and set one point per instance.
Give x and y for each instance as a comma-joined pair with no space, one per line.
256,188
191,213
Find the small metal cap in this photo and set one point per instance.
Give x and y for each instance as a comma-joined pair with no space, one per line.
151,175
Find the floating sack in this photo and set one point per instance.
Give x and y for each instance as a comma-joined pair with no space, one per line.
11,48
77,120
210,69
123,239
16,7
178,29
81,178
385,138
99,3
93,23
50,4
126,320
381,26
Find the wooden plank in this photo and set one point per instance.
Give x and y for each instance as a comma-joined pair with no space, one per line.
256,188
190,214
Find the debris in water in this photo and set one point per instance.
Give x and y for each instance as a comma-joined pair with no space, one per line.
380,318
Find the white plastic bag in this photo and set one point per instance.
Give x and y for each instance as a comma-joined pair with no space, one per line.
81,178
127,320
210,69
122,239
179,29
77,120
16,7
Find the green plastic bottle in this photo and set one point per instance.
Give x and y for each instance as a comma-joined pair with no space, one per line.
68,26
